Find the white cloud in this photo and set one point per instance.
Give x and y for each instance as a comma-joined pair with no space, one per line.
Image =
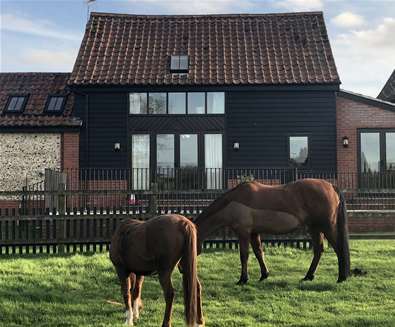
365,58
46,60
196,6
300,5
348,19
42,28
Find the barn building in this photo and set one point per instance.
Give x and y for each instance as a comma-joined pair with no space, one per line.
167,97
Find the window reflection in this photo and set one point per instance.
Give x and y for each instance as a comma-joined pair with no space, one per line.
370,152
188,151
138,103
165,151
177,103
140,161
298,149
157,103
390,150
215,102
196,102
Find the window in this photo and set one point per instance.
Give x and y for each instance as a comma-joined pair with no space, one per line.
16,104
179,64
157,103
140,161
213,160
188,151
55,104
177,103
370,152
215,102
299,149
138,103
390,150
164,152
196,102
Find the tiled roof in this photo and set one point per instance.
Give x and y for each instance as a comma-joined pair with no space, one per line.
388,91
37,86
265,49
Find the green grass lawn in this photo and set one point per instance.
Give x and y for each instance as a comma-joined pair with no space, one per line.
82,290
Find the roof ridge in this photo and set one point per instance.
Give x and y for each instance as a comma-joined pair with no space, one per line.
242,15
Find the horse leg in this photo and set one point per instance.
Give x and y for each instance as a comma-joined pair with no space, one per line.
258,251
318,248
168,291
330,235
137,303
127,282
244,241
200,319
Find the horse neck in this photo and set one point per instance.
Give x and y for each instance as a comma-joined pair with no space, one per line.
208,225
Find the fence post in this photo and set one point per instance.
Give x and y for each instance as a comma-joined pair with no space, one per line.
62,218
153,200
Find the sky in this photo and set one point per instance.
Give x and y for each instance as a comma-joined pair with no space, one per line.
45,35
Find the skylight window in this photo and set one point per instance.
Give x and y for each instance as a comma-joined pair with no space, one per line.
55,104
179,64
16,104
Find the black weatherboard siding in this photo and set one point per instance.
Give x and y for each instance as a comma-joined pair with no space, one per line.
105,123
262,122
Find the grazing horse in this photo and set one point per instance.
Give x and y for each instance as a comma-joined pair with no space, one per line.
252,208
156,246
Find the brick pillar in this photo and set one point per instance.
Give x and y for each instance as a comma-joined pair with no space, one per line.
71,164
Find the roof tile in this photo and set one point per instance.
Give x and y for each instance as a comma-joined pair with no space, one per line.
38,86
120,49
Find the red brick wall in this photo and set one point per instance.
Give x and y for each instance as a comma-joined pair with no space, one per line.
71,152
371,222
352,115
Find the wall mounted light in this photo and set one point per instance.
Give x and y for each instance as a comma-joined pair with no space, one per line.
236,146
345,142
117,146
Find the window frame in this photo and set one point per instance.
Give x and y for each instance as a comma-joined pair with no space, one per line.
187,113
178,69
25,96
292,162
382,146
55,112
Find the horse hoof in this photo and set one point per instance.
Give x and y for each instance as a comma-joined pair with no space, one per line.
264,276
242,281
308,278
341,279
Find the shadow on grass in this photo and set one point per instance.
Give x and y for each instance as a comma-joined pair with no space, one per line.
317,287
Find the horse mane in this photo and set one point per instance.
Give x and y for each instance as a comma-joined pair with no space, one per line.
219,203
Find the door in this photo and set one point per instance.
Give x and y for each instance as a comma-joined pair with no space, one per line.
213,160
377,159
140,161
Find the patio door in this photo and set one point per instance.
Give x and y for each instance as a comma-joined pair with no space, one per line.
213,160
140,161
377,159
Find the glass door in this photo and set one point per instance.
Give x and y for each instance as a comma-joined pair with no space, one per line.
213,160
165,161
140,161
188,174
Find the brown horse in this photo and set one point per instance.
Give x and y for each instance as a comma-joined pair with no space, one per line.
252,208
156,246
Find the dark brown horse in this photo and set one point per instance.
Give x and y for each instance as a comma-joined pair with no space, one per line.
156,246
252,208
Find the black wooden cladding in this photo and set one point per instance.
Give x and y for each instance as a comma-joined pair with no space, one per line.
262,122
104,125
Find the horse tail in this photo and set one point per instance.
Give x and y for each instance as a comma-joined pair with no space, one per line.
189,276
342,238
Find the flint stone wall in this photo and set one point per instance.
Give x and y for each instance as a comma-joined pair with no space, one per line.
25,156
